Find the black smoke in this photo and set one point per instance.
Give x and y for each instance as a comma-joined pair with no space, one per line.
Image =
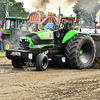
40,4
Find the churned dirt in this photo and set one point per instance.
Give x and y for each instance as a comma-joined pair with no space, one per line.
56,83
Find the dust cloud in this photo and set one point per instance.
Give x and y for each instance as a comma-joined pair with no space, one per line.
16,38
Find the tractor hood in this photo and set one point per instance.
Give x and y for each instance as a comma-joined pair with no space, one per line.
5,31
40,37
43,35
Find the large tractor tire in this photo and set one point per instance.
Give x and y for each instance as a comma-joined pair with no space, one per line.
17,63
6,45
80,51
41,62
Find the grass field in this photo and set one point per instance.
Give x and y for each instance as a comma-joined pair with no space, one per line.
2,53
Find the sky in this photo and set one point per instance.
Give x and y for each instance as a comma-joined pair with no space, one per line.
49,6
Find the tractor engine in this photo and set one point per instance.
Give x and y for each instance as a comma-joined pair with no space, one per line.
24,43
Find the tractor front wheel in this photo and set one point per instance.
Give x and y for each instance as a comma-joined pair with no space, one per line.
80,51
18,63
41,62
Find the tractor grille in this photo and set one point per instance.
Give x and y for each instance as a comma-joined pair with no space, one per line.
24,43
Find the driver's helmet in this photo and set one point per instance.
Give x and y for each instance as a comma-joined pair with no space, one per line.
66,24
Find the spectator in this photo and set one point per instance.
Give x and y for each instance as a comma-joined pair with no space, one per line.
4,27
1,40
80,30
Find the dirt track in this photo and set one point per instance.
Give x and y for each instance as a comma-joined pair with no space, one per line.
56,83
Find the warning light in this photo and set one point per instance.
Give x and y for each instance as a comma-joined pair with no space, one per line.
61,15
71,15
28,18
94,20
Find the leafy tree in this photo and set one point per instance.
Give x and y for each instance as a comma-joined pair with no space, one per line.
55,15
86,8
18,10
41,13
14,8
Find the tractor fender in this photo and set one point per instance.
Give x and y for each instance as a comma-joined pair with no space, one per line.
69,35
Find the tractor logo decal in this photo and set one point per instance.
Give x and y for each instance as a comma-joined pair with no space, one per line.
16,53
48,35
51,51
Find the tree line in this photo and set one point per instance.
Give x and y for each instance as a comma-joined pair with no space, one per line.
86,8
14,8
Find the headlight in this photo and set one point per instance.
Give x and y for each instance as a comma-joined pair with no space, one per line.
26,40
30,55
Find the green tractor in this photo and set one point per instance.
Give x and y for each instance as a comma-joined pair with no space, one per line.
14,26
63,46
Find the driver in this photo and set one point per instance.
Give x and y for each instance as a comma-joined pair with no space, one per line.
64,27
66,24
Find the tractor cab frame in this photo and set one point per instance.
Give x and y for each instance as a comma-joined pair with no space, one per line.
14,27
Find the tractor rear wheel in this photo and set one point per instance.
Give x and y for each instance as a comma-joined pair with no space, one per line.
6,45
80,51
41,62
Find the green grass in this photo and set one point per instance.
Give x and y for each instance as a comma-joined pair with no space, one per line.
2,53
